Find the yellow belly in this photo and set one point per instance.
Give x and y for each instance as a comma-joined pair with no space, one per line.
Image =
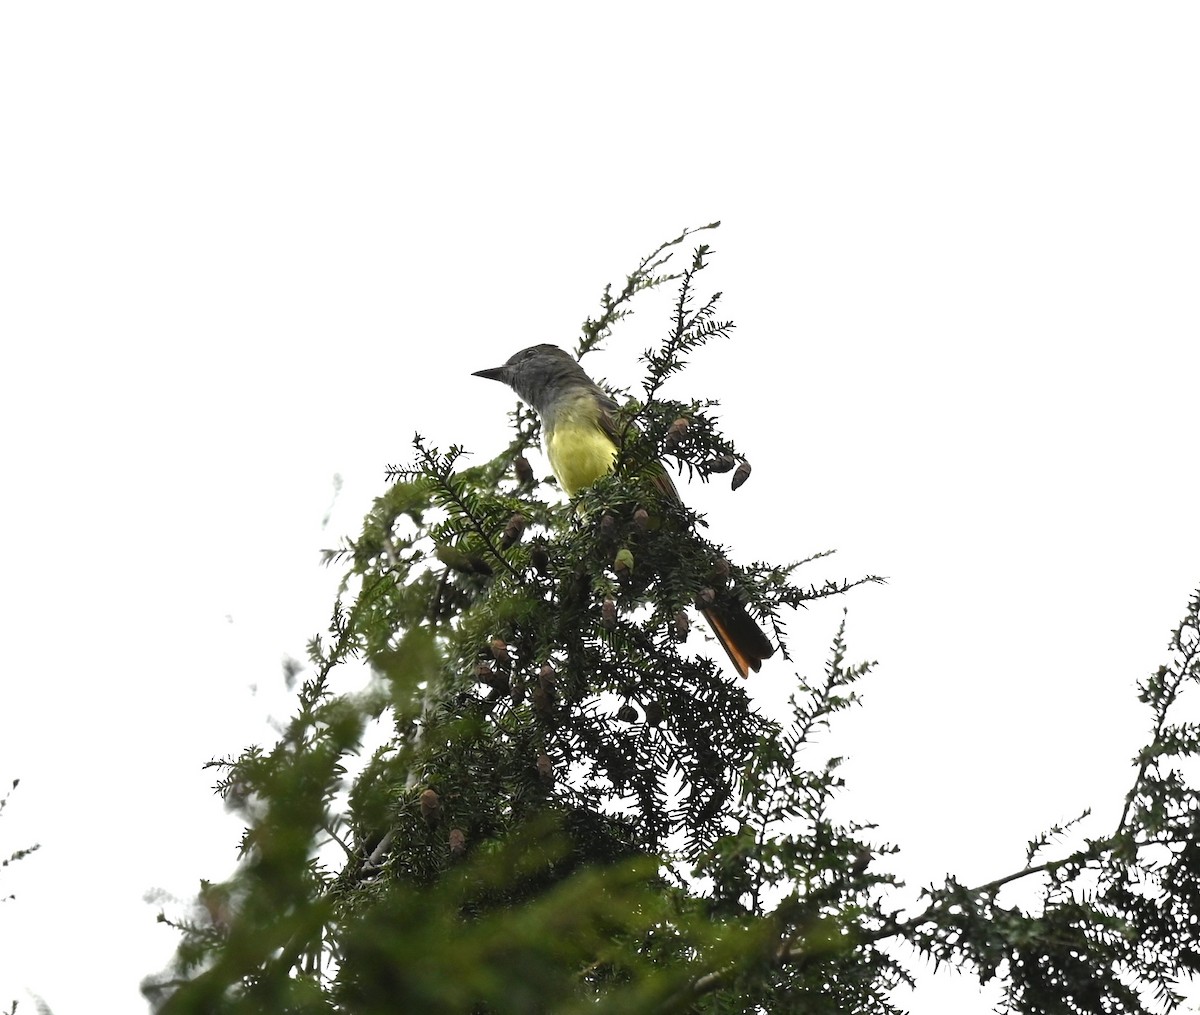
579,454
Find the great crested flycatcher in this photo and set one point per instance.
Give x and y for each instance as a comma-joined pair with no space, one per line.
581,439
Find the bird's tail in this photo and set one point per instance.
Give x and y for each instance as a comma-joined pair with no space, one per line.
746,644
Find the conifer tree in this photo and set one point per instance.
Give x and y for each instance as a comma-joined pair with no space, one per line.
575,809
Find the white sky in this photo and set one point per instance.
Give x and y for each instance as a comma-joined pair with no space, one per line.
246,246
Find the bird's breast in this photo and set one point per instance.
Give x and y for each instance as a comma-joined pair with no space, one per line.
579,453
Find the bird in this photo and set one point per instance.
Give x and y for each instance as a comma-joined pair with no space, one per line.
582,442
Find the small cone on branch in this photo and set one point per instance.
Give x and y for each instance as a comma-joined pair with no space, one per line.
498,681
740,475
654,713
541,699
608,614
675,434
499,650
545,769
722,463
523,469
539,558
680,625
513,531
627,713
458,842
431,807
608,528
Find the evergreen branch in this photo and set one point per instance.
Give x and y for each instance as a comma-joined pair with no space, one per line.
350,854
642,277
794,595
1120,845
930,914
1161,691
377,854
442,470
1040,842
789,955
689,331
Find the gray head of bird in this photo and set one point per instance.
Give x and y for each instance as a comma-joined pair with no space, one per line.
540,375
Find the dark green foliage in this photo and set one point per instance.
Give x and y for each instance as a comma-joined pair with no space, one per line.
574,811
1119,921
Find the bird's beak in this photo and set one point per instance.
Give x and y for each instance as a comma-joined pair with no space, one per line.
493,374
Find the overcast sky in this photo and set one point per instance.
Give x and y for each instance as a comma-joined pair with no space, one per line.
246,247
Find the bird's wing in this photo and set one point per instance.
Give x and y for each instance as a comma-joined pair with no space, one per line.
607,419
745,642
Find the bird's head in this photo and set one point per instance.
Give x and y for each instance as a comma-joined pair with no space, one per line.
538,374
